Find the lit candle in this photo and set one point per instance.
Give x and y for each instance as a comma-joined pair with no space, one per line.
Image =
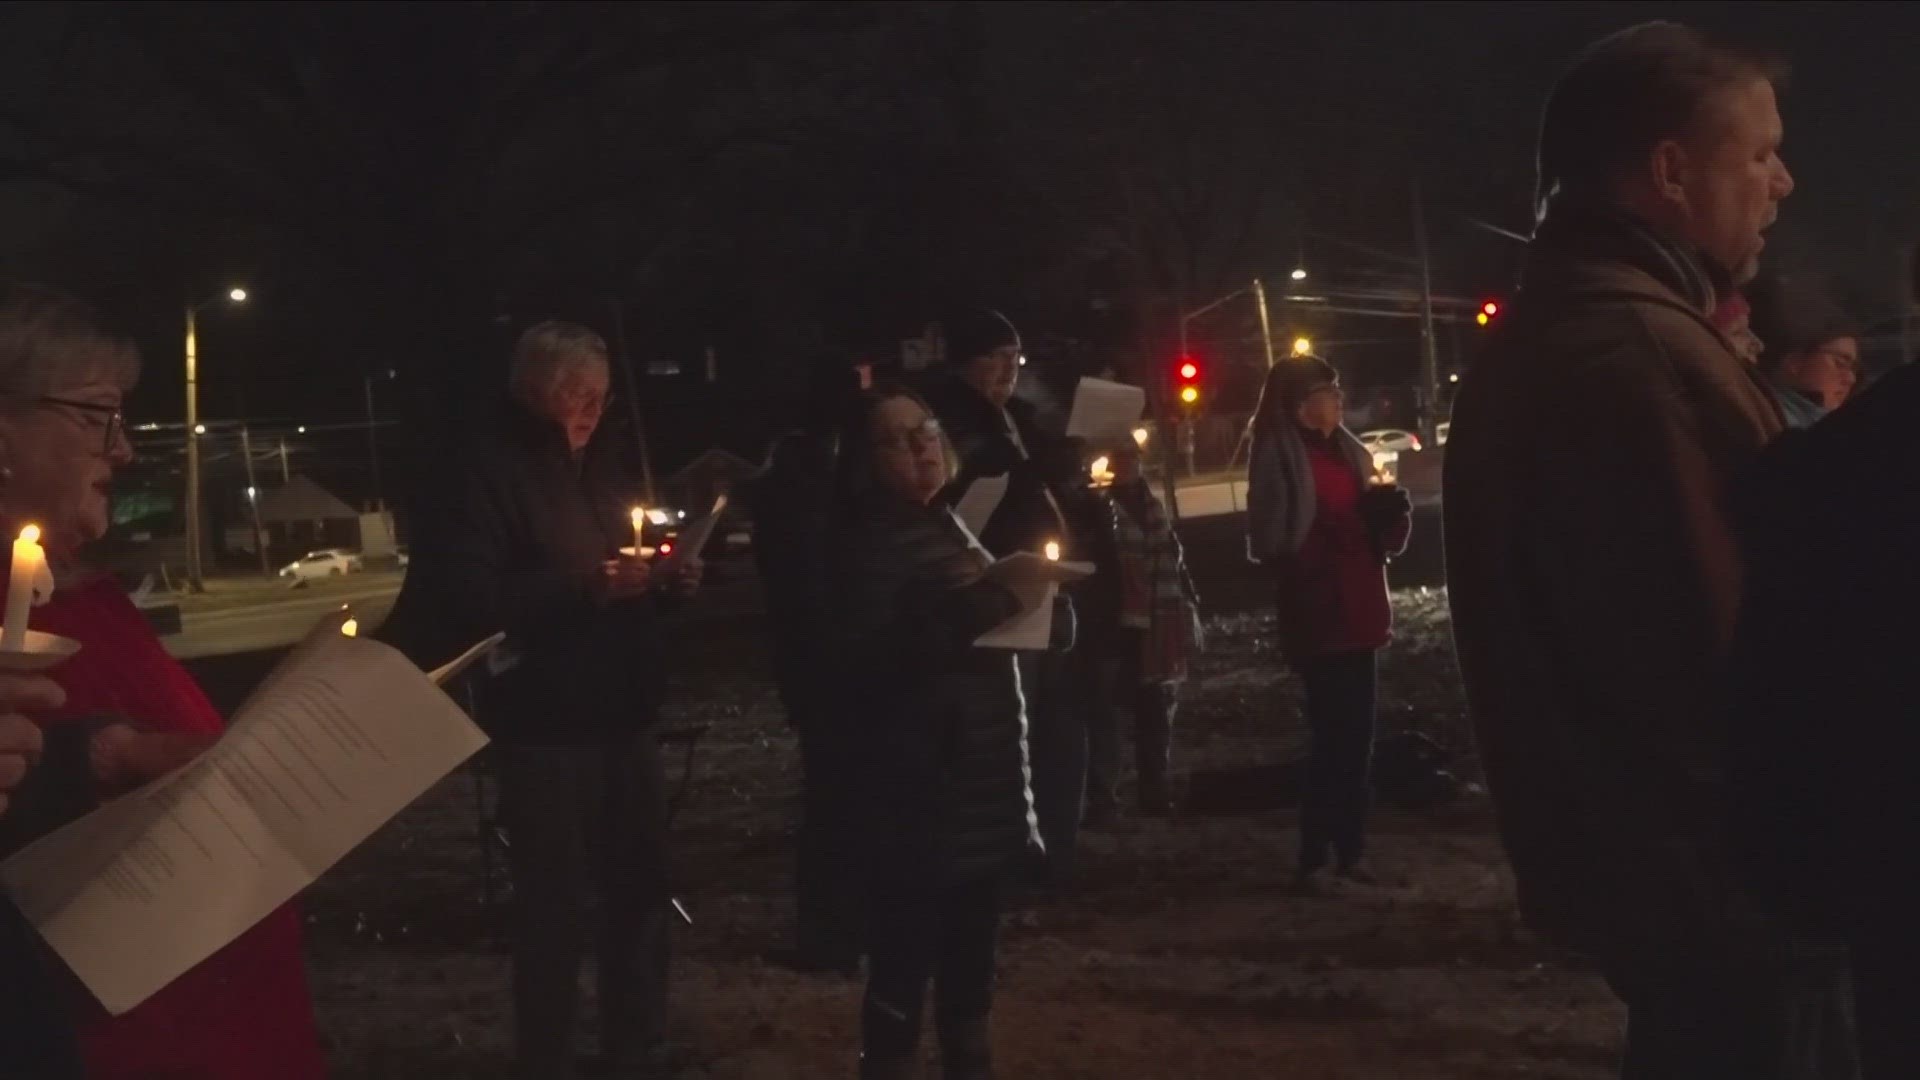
1053,551
350,628
639,528
30,584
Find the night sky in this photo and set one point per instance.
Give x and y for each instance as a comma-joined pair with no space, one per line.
404,186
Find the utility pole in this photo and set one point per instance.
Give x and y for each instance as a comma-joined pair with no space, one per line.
633,399
253,498
373,442
1266,328
1429,355
1171,430
195,583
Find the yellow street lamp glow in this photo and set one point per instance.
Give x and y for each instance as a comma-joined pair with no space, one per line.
238,296
1302,346
1455,377
199,429
1140,436
1190,394
1299,273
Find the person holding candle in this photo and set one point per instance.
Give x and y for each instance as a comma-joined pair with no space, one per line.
531,544
245,1011
1314,520
941,733
995,434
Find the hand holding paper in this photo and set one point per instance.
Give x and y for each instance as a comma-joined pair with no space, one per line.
1036,582
1105,410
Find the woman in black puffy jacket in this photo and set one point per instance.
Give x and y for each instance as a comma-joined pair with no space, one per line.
941,733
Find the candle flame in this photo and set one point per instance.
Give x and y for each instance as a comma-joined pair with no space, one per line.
350,628
639,515
31,534
1053,551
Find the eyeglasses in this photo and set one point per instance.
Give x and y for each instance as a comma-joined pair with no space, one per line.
916,438
108,416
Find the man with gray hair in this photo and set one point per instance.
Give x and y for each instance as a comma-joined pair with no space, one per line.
1593,572
531,544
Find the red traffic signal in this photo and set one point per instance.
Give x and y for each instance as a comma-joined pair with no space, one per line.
1188,372
1487,311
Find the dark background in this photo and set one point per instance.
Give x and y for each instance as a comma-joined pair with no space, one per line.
402,187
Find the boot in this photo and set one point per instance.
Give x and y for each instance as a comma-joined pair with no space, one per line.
966,1053
888,1067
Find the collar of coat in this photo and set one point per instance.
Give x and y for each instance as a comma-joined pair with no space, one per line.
1585,248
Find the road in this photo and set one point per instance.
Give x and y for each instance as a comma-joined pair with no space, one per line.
270,618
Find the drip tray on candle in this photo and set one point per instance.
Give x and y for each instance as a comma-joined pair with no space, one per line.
42,651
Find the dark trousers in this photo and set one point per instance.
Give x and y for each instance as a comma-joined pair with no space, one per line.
1057,745
828,890
581,821
1789,1017
946,935
1152,706
1340,715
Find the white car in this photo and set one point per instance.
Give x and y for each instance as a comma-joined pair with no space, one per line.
327,562
1387,440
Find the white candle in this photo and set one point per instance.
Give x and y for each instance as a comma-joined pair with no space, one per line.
1053,551
29,576
639,528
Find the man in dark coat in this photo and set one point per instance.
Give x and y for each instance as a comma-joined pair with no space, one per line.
1592,566
791,501
531,544
996,434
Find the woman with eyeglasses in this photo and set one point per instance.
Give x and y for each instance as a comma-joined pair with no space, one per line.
941,731
244,1012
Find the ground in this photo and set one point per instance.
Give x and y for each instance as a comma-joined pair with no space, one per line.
1183,955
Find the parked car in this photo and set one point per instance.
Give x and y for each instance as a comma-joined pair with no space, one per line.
324,563
1393,439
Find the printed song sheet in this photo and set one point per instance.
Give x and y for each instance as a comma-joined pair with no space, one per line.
339,738
694,540
982,498
1032,629
1105,410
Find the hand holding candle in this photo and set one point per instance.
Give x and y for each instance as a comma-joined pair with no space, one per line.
30,585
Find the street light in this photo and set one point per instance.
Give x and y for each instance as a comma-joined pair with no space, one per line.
235,295
1299,273
1302,346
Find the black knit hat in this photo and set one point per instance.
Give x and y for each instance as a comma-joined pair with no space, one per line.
1792,316
975,332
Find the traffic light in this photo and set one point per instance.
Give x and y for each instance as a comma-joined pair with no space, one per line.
1187,380
1488,311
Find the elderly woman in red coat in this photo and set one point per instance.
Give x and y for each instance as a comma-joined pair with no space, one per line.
1317,519
244,1013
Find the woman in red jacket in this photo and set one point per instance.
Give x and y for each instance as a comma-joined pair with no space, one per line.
244,1013
1318,520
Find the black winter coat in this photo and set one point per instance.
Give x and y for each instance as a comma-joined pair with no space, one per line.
791,502
1825,718
519,547
940,724
983,436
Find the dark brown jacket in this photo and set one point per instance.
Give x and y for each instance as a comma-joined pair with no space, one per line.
1594,582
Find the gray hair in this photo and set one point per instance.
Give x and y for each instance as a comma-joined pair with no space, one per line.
547,351
51,342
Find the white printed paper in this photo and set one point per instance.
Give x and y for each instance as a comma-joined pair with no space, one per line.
982,498
694,540
340,737
1105,410
1032,629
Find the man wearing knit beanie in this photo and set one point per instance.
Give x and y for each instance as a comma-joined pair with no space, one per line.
995,434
